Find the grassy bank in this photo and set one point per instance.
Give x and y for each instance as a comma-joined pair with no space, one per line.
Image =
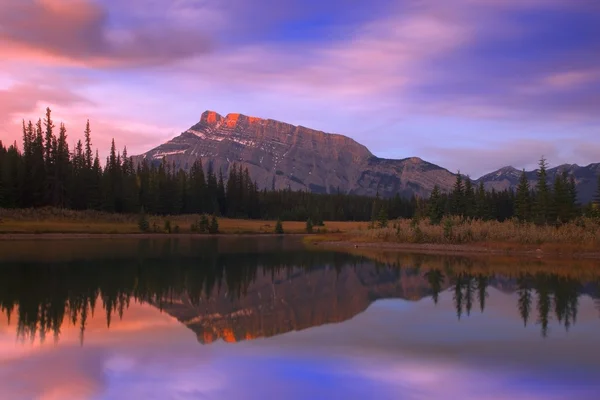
51,220
580,235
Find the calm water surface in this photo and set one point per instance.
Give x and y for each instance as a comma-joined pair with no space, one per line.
250,318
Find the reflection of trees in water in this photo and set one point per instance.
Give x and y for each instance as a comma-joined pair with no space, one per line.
552,293
43,297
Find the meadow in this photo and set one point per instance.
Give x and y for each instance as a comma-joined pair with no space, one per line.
54,220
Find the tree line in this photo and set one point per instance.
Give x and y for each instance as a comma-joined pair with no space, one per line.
44,171
545,203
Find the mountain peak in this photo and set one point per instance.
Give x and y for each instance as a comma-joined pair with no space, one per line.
210,118
234,119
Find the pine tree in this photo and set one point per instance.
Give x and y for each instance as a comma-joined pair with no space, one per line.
214,225
211,203
279,227
458,196
542,203
221,199
561,207
523,200
573,204
197,189
309,226
597,195
435,206
482,209
382,218
49,160
469,207
88,146
62,169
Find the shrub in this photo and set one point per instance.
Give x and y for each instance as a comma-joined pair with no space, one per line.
279,227
309,226
203,224
143,223
213,227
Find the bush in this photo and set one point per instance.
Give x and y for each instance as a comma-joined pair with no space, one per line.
143,223
214,225
279,227
309,226
203,225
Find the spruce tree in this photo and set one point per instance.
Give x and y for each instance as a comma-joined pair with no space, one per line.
523,199
458,196
309,226
88,146
542,203
481,203
573,202
279,227
561,207
469,199
597,195
435,206
62,169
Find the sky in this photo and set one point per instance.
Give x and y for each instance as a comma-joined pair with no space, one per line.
471,85
377,354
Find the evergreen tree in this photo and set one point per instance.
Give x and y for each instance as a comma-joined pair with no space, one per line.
573,204
561,204
278,227
469,199
597,194
458,196
221,200
62,169
523,200
542,203
309,226
382,218
481,203
214,225
435,207
212,205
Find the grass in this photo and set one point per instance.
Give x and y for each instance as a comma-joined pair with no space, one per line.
582,234
52,220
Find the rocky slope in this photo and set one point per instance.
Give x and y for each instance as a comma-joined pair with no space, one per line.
586,178
280,155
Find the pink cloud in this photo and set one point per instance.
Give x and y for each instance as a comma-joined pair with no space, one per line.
76,32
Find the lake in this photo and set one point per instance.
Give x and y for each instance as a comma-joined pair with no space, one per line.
268,318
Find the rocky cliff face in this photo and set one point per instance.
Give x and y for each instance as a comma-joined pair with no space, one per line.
284,303
586,178
280,155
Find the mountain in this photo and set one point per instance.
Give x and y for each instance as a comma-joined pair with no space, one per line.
586,178
279,155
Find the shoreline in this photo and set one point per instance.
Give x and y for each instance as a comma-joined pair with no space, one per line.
69,236
343,244
458,249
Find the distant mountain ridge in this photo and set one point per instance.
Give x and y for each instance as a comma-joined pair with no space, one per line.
280,155
586,178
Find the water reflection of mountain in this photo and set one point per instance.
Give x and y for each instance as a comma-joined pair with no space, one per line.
259,292
284,301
